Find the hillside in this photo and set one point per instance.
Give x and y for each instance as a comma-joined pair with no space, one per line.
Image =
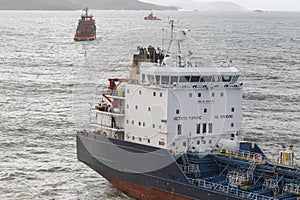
78,4
201,6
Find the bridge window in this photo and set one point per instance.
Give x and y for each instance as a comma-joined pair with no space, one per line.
177,111
174,79
213,94
148,140
199,94
234,79
136,107
148,78
205,79
140,92
221,94
153,125
152,79
195,78
165,79
216,79
232,109
183,79
132,122
198,142
149,109
154,94
160,94
232,124
205,110
143,78
226,78
190,95
184,143
157,80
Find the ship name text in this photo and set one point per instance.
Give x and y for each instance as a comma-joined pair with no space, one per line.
223,116
187,118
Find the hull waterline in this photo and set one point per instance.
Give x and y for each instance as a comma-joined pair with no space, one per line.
167,183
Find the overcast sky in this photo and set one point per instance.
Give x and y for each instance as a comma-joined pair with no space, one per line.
265,4
280,5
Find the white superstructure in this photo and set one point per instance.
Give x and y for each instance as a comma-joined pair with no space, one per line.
177,106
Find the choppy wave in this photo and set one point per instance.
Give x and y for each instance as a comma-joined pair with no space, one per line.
48,82
290,98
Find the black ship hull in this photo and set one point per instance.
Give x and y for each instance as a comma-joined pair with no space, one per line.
141,171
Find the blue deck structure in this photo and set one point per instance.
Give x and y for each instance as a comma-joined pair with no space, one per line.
239,173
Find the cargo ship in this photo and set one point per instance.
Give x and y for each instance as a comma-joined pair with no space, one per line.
86,28
172,130
151,17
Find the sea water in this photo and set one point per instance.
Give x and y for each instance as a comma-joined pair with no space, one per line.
48,83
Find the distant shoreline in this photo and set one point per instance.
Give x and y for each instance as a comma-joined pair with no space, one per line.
90,9
179,10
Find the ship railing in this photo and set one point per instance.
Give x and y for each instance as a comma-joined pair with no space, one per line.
276,162
112,127
115,93
246,155
252,156
118,94
190,168
110,111
229,189
292,188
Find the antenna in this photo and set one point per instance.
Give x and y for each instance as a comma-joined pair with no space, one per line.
86,11
171,22
172,27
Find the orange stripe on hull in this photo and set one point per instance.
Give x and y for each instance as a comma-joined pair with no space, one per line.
84,38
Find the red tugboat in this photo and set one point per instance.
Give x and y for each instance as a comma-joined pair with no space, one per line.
86,28
151,17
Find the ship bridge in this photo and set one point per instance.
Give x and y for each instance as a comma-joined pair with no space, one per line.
173,104
183,108
189,77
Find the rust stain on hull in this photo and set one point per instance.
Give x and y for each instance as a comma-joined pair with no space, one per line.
143,193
